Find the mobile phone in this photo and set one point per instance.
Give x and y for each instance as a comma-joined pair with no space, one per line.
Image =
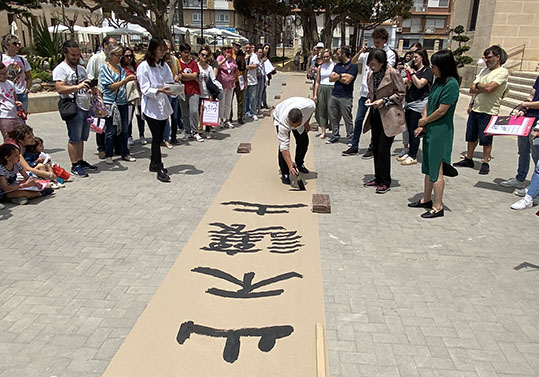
93,83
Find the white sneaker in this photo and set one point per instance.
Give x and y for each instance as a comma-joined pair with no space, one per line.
20,201
522,204
130,142
255,117
2,206
521,192
513,182
229,124
143,141
199,138
185,137
108,161
409,161
403,157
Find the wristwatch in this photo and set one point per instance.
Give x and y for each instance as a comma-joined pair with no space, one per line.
340,76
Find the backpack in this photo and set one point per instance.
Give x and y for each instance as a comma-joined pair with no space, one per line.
396,57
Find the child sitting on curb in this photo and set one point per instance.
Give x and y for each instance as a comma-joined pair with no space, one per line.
37,158
9,187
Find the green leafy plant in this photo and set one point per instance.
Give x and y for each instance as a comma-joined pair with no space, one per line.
43,75
47,46
460,58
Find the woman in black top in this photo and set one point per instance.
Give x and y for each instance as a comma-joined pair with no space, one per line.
420,78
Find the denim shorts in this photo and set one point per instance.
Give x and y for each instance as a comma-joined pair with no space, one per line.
78,128
475,128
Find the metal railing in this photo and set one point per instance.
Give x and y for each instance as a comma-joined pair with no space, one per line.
515,52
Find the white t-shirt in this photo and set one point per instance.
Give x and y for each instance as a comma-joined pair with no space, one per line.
94,65
65,73
325,71
7,100
204,75
251,73
280,118
17,66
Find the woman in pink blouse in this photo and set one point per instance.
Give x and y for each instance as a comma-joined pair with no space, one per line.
227,73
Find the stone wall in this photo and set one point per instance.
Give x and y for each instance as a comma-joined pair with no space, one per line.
507,23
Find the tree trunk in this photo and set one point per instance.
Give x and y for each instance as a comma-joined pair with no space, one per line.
310,30
329,27
343,33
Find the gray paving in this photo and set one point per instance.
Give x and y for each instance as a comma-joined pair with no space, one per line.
77,270
403,296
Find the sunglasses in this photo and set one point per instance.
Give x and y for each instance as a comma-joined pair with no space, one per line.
204,55
18,44
128,56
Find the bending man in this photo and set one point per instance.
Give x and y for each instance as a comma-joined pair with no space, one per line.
293,114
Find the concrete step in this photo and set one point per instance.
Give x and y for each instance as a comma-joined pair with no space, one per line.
520,88
510,102
519,96
521,80
529,75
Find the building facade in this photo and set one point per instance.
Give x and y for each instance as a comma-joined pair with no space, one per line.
429,25
512,24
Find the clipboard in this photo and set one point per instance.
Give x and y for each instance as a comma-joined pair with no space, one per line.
209,112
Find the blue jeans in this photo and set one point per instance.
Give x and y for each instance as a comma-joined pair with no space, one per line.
78,128
111,135
23,97
175,118
526,145
533,188
358,124
250,101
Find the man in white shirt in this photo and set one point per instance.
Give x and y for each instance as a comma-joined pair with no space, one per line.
92,69
379,37
293,114
252,81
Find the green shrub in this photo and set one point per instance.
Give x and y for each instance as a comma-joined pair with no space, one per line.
278,59
43,75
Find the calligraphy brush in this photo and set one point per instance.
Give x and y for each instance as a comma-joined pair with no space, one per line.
301,185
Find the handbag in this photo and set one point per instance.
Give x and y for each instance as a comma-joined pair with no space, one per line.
68,106
212,88
98,108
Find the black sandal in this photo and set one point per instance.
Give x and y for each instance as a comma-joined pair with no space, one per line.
420,204
432,214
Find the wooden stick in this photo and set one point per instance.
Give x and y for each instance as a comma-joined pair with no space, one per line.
321,356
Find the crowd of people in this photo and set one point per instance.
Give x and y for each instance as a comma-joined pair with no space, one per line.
414,95
164,91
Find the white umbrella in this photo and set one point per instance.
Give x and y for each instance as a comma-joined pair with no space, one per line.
124,31
13,28
95,30
179,30
58,28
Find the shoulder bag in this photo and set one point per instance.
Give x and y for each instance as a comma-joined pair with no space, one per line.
68,106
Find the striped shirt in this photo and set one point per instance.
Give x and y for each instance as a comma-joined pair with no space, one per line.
107,77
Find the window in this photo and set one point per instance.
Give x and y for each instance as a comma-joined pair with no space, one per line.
407,23
438,3
196,17
434,23
419,5
193,4
222,18
473,16
416,25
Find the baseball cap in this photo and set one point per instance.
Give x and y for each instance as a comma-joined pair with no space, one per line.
319,45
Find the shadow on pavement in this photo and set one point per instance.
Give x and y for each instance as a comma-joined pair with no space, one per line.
184,169
494,186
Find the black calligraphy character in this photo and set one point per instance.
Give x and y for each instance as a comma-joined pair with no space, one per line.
262,209
526,265
285,242
268,337
233,239
247,286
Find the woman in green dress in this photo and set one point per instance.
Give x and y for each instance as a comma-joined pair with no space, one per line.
437,125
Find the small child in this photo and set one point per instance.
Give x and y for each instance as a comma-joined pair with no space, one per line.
8,104
37,158
9,187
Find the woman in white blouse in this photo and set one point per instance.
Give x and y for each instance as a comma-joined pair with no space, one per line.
153,74
322,92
